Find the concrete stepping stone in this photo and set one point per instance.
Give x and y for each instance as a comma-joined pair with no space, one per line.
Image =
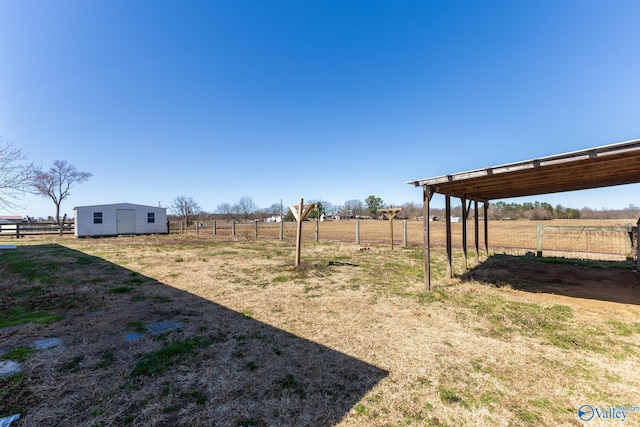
46,343
9,367
134,336
157,328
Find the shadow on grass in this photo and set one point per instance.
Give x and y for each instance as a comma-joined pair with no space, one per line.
220,367
612,281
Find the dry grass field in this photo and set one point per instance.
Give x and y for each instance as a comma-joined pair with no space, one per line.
513,237
348,338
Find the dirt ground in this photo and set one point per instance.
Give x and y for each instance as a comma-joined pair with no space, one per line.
597,291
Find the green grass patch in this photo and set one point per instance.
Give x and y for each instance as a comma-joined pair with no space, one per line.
161,360
30,292
106,360
623,329
18,354
19,315
137,327
290,383
552,324
14,390
120,290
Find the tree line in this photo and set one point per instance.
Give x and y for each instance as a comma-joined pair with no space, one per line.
188,210
540,211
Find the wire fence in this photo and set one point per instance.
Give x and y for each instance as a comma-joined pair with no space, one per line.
597,239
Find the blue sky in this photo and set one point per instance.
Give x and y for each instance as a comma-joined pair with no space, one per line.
331,100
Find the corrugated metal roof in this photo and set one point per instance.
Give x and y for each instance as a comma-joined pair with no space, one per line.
604,166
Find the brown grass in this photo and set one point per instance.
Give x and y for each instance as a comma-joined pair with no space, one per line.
349,338
516,237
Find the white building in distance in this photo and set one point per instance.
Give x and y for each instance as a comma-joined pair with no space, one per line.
119,219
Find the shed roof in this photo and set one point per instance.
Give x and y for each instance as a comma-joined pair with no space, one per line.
604,166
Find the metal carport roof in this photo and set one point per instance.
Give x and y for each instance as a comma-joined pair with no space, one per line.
604,166
597,167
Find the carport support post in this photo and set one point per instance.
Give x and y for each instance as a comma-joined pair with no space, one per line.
475,223
281,228
447,199
486,226
426,234
465,214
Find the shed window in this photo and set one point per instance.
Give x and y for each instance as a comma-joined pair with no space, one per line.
151,217
97,217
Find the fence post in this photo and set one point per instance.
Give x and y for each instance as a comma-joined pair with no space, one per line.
256,227
17,231
317,235
168,227
233,227
357,231
281,229
404,233
214,227
539,241
197,227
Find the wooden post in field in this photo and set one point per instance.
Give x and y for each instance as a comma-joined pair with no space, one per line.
233,227
256,225
281,227
357,231
390,213
215,227
300,213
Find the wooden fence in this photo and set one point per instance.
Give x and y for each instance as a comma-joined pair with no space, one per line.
28,229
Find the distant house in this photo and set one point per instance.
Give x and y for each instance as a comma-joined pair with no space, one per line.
10,219
119,219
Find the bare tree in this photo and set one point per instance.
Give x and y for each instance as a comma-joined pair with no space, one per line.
15,177
225,210
246,207
186,207
57,182
353,207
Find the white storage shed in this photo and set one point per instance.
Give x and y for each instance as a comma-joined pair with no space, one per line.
119,218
